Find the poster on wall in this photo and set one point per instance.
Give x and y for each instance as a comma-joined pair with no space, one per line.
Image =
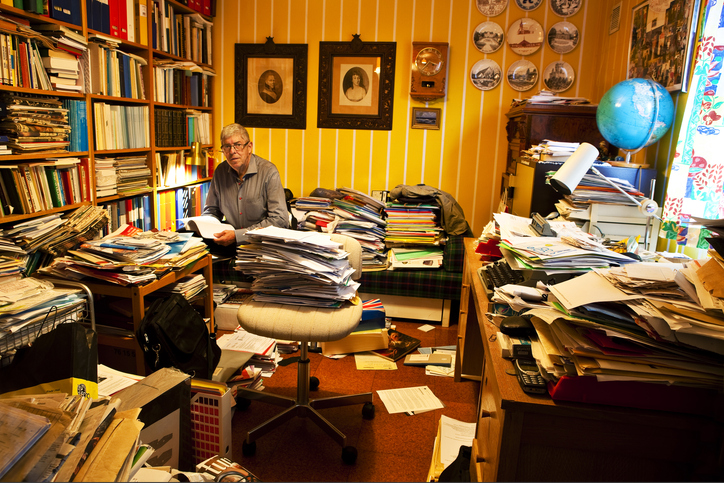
662,41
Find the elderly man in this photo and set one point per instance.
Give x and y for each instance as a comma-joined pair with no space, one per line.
246,189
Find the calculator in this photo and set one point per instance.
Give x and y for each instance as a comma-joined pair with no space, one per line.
529,376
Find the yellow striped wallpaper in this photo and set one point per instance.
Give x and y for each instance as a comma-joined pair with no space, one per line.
466,156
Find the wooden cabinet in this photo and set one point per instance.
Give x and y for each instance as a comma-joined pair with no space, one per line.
520,437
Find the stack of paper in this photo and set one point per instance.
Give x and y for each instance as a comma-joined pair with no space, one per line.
132,174
189,286
361,216
412,224
297,267
106,177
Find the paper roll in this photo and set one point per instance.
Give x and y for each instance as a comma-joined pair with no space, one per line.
567,178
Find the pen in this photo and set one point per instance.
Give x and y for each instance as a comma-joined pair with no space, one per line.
122,247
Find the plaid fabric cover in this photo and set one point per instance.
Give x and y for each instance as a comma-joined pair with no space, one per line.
443,283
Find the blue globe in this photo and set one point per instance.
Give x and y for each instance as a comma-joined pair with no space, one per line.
628,116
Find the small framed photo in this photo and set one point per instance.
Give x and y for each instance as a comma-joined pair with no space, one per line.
425,118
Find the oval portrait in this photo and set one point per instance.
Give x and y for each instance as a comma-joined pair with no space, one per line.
485,74
488,37
563,37
491,8
566,8
528,5
558,76
355,84
525,36
522,75
270,86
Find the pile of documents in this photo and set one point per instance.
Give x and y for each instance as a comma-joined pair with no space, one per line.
106,177
258,352
592,189
297,268
412,224
128,256
552,150
132,174
648,322
189,286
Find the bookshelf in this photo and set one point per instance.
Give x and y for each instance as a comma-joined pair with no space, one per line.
147,61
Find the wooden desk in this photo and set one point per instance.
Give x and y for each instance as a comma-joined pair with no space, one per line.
526,438
137,294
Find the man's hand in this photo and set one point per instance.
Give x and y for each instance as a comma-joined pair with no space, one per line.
225,238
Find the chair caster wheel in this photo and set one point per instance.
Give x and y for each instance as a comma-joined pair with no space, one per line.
368,410
349,455
249,449
243,403
313,383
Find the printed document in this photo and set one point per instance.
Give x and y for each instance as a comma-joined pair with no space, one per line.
410,400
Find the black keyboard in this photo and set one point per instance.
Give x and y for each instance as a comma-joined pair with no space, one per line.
497,274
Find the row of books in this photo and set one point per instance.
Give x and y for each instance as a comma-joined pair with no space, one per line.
172,126
199,126
40,186
78,120
123,19
185,202
115,73
120,127
176,84
135,211
184,35
172,170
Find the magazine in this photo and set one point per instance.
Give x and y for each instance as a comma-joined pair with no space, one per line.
399,344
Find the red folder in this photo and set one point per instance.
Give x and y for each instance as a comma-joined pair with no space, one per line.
114,16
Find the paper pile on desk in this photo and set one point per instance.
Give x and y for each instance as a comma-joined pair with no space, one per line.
297,268
644,322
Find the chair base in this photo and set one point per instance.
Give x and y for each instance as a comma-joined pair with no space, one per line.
301,406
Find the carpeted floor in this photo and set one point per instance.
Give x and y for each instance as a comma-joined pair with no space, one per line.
391,447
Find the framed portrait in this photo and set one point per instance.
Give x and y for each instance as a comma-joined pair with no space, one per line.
425,118
271,85
662,40
356,83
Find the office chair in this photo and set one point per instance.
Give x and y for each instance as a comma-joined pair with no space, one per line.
307,325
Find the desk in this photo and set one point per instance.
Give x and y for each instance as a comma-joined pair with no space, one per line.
137,294
520,437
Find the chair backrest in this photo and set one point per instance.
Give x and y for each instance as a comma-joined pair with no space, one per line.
352,246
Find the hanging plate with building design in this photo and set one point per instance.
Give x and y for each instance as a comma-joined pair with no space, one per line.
528,5
485,74
491,8
563,37
522,75
525,36
488,37
566,8
558,76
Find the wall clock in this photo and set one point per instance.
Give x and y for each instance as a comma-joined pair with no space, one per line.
429,69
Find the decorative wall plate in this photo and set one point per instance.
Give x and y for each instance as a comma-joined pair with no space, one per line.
528,5
558,76
566,8
488,37
563,37
491,8
525,36
522,75
486,74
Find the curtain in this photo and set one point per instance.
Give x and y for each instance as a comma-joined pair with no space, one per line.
696,181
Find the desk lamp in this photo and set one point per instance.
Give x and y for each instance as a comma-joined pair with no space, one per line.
567,178
198,156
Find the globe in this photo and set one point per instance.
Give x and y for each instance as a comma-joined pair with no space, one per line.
635,113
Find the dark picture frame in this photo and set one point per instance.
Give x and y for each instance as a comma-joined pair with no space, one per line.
356,84
271,85
425,118
661,43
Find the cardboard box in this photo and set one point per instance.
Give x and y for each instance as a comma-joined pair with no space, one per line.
362,341
165,401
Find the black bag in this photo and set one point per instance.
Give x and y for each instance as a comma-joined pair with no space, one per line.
173,334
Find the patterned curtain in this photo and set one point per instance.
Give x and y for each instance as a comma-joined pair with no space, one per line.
696,182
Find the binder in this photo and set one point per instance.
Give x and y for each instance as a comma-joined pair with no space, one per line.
62,10
114,17
142,21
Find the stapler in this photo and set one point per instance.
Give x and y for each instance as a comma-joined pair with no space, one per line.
541,226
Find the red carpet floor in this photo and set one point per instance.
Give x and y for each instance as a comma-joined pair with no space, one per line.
391,447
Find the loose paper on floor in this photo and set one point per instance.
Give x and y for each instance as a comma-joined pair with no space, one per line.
409,400
371,362
453,435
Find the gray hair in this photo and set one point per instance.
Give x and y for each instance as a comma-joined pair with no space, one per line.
231,129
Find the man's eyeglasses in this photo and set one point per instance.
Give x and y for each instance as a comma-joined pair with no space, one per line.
237,147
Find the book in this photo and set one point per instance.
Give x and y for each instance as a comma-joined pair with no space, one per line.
434,359
398,346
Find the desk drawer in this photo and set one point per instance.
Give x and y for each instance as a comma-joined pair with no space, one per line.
490,422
